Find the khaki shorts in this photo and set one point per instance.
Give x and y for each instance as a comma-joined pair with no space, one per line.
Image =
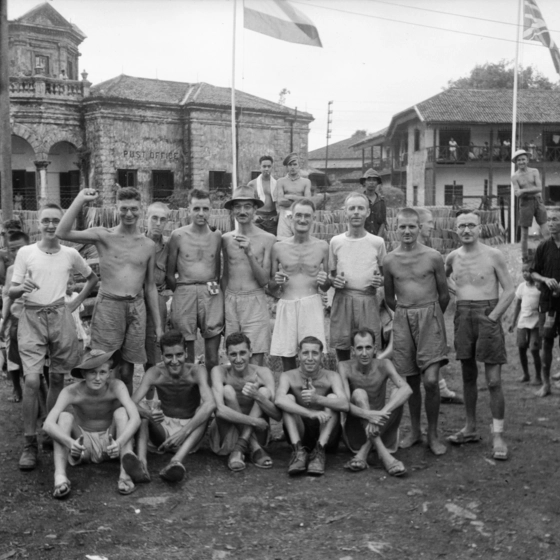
96,444
529,207
194,307
171,426
153,352
48,330
119,323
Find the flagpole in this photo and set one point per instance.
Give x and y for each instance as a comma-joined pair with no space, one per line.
514,122
233,134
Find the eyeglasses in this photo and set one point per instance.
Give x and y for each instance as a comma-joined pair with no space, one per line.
46,221
470,226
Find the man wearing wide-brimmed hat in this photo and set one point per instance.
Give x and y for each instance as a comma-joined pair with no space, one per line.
247,252
376,222
528,189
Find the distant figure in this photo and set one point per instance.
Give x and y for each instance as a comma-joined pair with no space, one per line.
376,222
18,202
63,75
533,150
453,149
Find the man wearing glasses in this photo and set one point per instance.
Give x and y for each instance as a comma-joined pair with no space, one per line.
126,262
40,276
476,272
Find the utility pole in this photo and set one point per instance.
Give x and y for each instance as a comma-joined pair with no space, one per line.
5,128
329,123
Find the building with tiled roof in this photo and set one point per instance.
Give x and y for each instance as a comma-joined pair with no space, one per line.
161,136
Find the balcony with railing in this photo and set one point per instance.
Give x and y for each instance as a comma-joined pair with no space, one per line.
476,155
400,160
41,86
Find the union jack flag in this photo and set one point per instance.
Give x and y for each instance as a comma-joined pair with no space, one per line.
534,29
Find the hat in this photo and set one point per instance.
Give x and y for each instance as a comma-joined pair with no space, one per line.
91,360
290,157
518,153
243,194
371,174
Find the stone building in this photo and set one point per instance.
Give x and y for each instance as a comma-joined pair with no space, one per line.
163,137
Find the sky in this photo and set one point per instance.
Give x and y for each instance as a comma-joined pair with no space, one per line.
378,57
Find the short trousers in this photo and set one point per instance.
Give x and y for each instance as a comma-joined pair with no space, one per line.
48,330
171,426
267,221
119,323
549,330
96,444
296,319
529,338
223,442
476,336
247,312
310,429
194,307
354,433
529,207
419,339
352,310
153,352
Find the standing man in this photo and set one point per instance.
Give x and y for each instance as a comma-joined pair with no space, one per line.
247,252
198,302
477,271
265,187
158,214
416,289
376,222
126,262
292,187
546,270
46,326
299,266
355,262
453,149
528,189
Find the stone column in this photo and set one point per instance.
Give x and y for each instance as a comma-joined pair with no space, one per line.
41,167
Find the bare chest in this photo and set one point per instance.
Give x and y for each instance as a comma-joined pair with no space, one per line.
296,260
125,252
195,248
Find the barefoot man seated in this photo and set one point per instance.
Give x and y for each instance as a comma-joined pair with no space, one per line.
299,266
373,421
186,401
244,395
476,272
101,411
311,398
416,289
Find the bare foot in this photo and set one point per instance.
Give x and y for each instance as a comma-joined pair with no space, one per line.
499,448
409,440
436,447
525,379
544,391
537,382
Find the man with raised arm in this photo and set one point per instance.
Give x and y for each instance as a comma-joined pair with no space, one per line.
416,289
265,187
476,272
311,399
290,188
246,253
46,327
356,272
180,423
373,421
193,273
299,268
244,395
126,263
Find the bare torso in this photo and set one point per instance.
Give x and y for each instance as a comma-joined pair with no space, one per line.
527,179
269,205
322,383
373,382
299,187
237,382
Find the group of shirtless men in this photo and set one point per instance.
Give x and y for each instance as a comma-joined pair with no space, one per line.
234,406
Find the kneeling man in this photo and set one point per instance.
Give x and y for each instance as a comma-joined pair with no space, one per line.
244,395
311,398
101,409
179,424
373,420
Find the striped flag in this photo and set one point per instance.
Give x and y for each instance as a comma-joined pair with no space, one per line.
278,19
534,29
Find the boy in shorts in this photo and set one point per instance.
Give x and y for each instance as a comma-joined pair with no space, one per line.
101,411
526,317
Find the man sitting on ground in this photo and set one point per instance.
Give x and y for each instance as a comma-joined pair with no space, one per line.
373,421
244,395
101,409
186,406
311,398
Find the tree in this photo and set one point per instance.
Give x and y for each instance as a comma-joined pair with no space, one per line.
283,94
500,75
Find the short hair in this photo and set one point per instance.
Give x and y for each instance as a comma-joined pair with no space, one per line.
364,331
408,213
158,206
467,211
310,340
237,338
17,236
129,193
50,206
356,194
171,338
12,224
303,202
266,158
423,213
199,194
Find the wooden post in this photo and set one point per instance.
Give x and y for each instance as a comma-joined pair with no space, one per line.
5,128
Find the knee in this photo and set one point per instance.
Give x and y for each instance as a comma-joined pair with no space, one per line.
359,396
65,420
229,394
265,393
56,379
120,415
32,381
494,385
431,385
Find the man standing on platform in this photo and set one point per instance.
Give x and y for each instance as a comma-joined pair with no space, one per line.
265,187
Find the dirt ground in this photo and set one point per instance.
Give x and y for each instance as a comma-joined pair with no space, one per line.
463,505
